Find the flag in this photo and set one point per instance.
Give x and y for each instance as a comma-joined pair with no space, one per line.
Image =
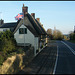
19,16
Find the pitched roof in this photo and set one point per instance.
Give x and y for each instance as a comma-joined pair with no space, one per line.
34,23
33,27
41,27
8,25
29,26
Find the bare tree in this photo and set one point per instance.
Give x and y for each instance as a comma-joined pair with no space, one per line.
54,34
49,32
57,35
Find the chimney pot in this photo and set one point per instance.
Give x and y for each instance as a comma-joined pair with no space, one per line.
23,5
24,9
33,14
38,19
42,25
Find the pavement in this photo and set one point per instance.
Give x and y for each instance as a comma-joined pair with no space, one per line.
43,62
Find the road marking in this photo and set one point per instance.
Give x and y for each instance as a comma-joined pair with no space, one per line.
55,62
69,47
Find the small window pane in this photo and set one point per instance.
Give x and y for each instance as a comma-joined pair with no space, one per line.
22,30
25,30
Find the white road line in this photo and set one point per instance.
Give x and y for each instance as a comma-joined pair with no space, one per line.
56,62
69,47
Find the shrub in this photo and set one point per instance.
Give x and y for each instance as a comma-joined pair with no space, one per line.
1,59
8,43
20,50
8,46
72,36
7,34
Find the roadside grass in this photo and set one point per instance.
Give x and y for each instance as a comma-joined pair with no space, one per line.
73,41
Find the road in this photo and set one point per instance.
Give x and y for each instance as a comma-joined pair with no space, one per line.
43,63
56,58
66,58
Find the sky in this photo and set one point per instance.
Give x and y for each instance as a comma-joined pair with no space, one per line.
59,14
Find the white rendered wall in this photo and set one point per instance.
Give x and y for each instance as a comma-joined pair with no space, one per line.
1,29
29,37
36,42
4,29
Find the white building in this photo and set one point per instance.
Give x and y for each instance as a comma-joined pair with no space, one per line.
28,31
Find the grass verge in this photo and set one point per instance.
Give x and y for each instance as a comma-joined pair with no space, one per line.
73,41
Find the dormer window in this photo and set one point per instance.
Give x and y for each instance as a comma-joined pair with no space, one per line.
23,31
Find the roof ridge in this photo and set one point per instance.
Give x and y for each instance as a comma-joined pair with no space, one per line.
10,22
44,31
36,22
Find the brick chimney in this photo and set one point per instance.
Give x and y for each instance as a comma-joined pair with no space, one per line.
33,14
38,19
42,25
25,9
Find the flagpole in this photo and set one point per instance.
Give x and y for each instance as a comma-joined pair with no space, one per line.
24,29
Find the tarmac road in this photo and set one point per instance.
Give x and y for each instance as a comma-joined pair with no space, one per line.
66,58
43,63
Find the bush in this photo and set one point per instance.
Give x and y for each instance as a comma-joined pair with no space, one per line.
8,43
7,34
20,50
1,59
72,36
8,46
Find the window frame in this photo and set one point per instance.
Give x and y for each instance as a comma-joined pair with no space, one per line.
21,30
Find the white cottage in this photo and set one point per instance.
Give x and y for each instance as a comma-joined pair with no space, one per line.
28,31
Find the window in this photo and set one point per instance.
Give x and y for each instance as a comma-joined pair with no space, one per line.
23,31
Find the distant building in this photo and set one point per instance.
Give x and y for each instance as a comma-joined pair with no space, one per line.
8,26
66,37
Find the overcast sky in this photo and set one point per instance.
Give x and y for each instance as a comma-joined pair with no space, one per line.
60,14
